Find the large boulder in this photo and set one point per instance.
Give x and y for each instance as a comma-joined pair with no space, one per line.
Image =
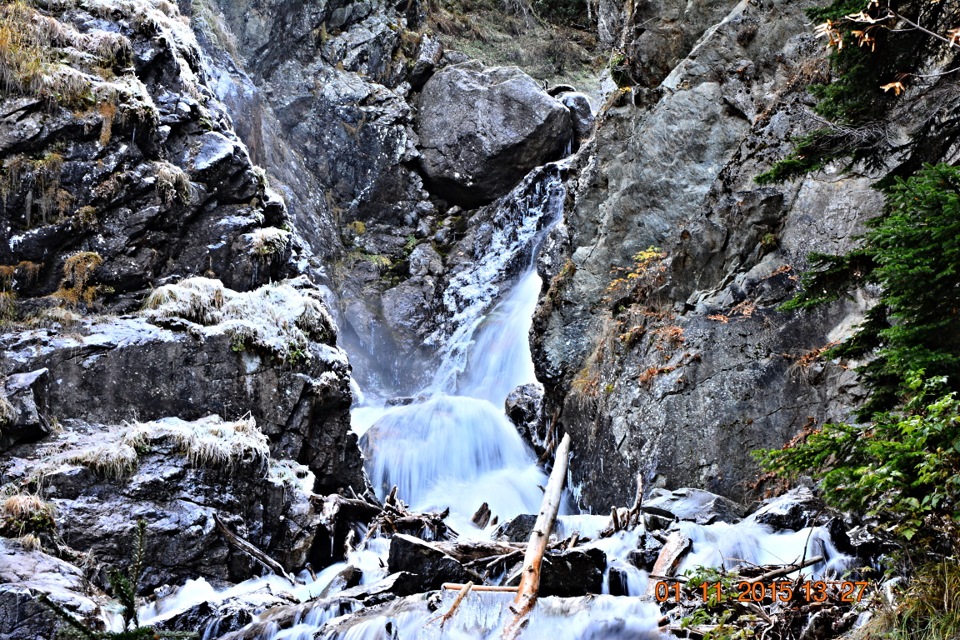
695,505
179,477
481,130
25,575
270,352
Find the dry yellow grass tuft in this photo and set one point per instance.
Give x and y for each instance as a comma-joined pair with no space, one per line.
77,270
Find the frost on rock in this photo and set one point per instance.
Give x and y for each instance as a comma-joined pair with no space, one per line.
291,474
519,223
267,241
208,442
280,318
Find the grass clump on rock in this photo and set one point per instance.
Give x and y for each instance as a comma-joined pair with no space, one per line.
281,319
209,442
23,514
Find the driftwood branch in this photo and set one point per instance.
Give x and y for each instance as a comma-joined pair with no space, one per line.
790,568
530,577
453,608
453,586
249,549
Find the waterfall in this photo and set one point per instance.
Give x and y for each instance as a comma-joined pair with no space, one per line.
454,447
520,222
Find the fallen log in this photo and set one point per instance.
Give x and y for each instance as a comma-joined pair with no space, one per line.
453,608
790,568
530,578
673,551
452,586
249,549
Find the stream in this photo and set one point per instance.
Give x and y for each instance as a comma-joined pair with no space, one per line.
452,446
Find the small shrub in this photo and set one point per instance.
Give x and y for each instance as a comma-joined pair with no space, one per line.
358,227
25,513
172,183
268,241
639,282
77,271
108,111
903,467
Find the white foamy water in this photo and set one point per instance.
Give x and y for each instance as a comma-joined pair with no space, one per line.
454,448
483,616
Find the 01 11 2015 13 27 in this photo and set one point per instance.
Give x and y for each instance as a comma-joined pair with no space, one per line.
784,591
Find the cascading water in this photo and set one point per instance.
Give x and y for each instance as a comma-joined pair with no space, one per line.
453,447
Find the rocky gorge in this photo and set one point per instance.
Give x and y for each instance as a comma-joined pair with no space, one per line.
309,293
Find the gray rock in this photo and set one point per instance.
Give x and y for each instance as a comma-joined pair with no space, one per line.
696,505
524,408
176,476
618,582
424,260
220,617
581,112
24,576
481,130
26,393
429,55
516,530
646,556
794,510
431,565
677,172
128,369
572,573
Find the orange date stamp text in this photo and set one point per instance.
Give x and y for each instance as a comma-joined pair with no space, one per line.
782,591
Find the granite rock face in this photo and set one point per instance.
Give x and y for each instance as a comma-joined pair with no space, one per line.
482,130
130,369
25,574
226,400
177,476
679,376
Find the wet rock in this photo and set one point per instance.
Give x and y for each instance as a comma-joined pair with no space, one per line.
567,574
516,530
646,556
176,476
581,113
696,505
618,582
285,617
794,510
26,395
408,309
215,617
431,565
24,576
481,130
349,577
524,407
